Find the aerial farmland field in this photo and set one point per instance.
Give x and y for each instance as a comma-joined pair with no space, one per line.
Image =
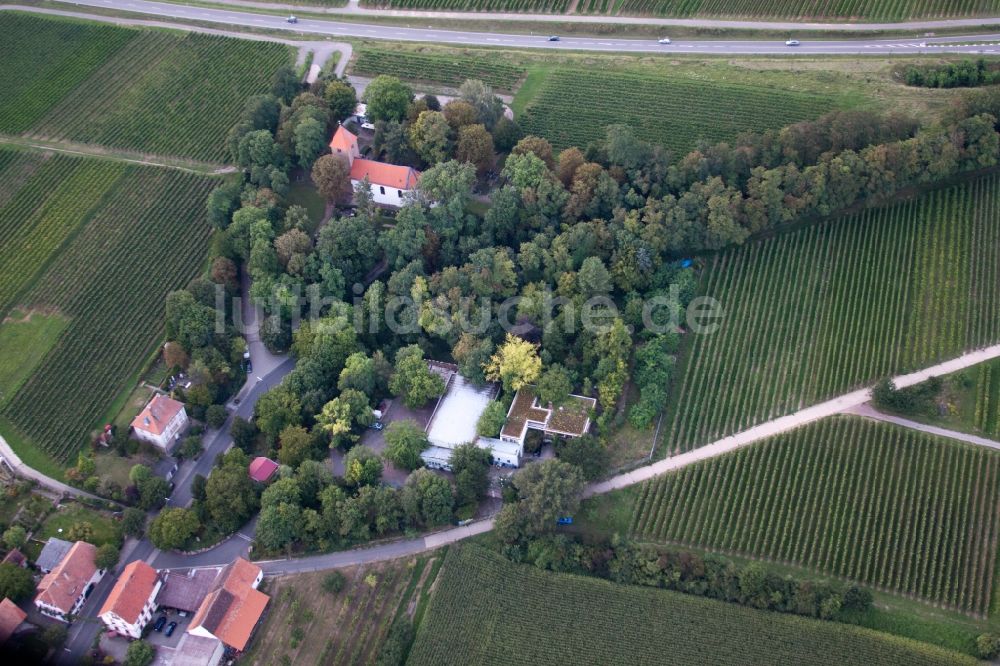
889,507
141,91
93,247
488,610
817,312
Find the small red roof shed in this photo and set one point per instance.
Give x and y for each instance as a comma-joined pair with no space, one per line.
262,469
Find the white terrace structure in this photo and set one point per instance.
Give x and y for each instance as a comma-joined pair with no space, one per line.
454,420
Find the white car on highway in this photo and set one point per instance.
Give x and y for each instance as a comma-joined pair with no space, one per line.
665,40
792,42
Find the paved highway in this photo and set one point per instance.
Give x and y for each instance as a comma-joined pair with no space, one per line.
310,26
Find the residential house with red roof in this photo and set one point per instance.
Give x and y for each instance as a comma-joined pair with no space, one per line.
132,601
233,606
161,423
262,469
11,618
390,183
63,591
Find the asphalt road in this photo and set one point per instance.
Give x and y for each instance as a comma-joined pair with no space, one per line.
235,17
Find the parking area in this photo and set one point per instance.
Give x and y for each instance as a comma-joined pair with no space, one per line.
395,410
160,638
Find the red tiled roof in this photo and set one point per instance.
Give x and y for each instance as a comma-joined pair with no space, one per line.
388,175
10,618
61,587
343,141
160,411
131,592
262,468
233,607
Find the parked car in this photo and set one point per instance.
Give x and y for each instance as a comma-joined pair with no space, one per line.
291,19
664,40
170,629
792,42
378,425
160,621
553,38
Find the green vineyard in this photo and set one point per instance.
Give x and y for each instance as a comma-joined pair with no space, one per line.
449,70
987,411
100,244
818,312
148,92
487,610
890,507
572,108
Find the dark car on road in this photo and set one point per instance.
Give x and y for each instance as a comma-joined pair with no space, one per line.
162,620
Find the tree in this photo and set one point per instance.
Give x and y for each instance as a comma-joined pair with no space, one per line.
106,557
569,161
430,136
285,84
506,134
296,446
341,415
332,176
334,582
215,416
536,145
350,244
387,98
230,496
358,374
310,141
489,107
554,385
546,492
15,583
362,467
153,492
279,526
988,646
427,499
405,441
516,364
475,146
173,528
222,203
55,635
412,380
471,466
593,278
243,433
491,420
342,99
188,322
133,522
276,410
459,113
15,536
139,653
587,453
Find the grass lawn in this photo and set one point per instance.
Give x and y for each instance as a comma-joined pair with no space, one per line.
24,340
136,400
111,465
30,455
303,193
105,528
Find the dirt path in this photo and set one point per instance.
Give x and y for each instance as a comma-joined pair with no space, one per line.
868,411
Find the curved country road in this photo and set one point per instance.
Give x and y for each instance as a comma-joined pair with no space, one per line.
310,26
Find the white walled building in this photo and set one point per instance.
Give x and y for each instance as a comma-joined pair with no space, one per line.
132,601
391,184
161,423
63,591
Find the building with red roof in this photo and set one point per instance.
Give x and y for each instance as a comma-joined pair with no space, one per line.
261,469
63,591
233,606
11,618
161,422
390,183
132,601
